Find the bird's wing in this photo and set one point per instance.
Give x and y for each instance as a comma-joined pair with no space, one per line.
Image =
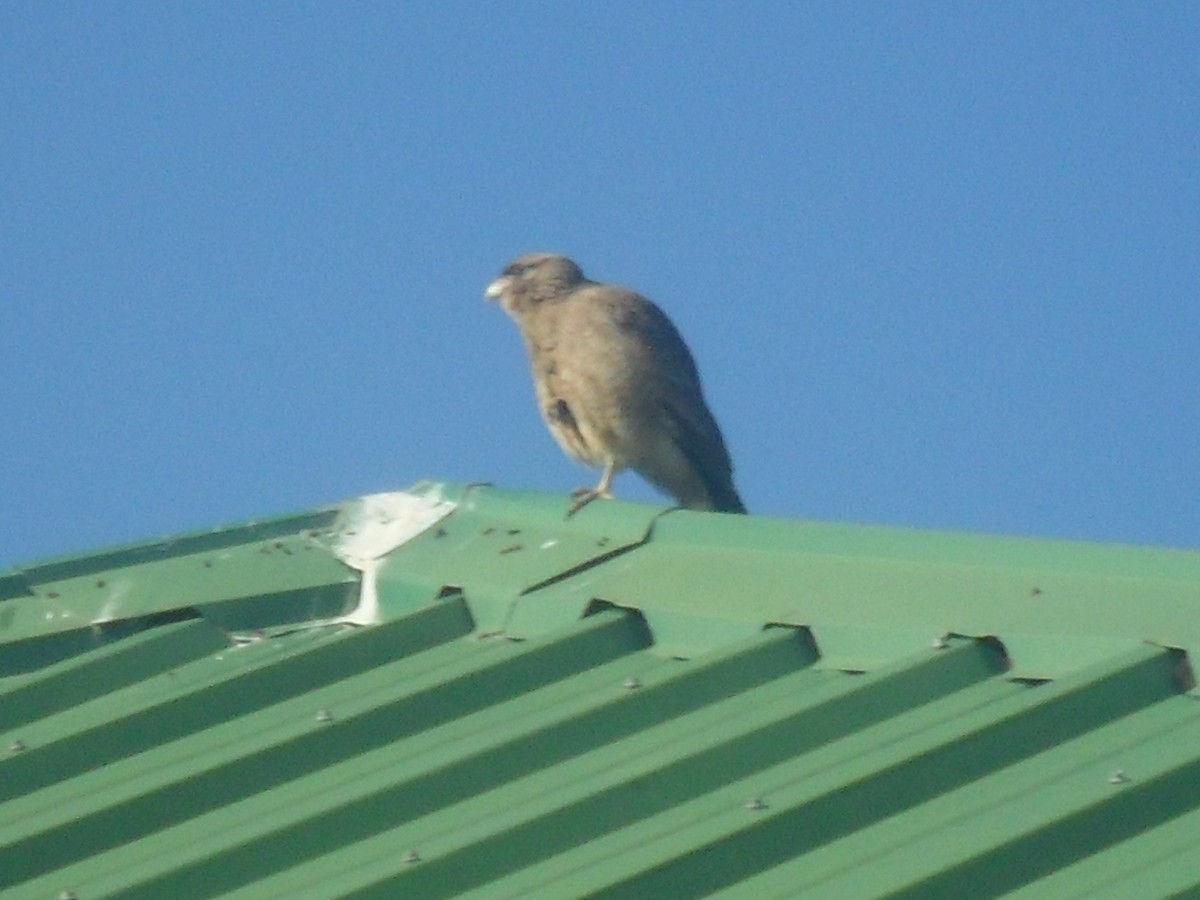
667,356
639,319
685,413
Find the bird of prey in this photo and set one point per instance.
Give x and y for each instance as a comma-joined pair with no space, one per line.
615,383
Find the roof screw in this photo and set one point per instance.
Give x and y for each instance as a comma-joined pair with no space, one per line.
755,804
16,746
940,643
66,895
1119,777
324,715
632,683
410,857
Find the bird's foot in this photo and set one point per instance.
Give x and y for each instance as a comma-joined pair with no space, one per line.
581,497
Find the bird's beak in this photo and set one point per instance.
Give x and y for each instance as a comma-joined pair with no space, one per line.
496,289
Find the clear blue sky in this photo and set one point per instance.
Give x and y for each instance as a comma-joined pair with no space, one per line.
938,262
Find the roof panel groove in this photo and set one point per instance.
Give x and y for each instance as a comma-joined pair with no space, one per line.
806,776
247,773
431,754
628,779
116,728
971,820
107,669
256,851
933,761
12,584
1169,793
1154,863
256,574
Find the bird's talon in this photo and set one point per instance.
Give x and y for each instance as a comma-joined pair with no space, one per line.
579,502
582,497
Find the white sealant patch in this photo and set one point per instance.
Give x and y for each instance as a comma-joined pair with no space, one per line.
372,527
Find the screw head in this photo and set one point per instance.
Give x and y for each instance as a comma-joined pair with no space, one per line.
324,715
755,804
632,683
410,857
16,746
1119,777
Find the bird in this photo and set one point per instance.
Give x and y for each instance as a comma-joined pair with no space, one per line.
615,383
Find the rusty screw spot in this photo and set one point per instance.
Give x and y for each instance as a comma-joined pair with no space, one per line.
510,548
100,582
755,804
441,532
53,595
1036,592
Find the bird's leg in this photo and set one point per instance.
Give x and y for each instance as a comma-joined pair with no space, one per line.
584,496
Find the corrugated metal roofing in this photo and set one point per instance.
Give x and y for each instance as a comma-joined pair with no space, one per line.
455,692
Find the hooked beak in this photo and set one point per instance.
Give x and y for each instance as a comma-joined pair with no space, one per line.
496,289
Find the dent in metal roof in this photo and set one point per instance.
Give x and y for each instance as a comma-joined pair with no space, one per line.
540,709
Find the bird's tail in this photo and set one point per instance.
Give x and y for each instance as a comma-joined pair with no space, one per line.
727,501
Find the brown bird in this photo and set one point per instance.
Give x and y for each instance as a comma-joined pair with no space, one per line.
615,383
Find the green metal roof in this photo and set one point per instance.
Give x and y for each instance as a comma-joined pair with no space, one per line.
453,691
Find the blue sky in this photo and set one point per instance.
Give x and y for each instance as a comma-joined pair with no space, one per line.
937,262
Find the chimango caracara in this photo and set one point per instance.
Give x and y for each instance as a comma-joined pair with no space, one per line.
616,384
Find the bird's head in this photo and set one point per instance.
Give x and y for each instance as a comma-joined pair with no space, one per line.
532,278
